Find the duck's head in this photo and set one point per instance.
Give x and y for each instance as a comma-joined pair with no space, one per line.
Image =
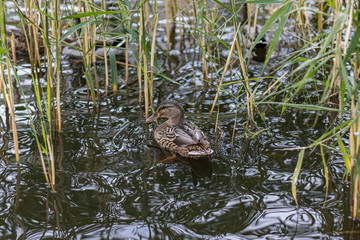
170,109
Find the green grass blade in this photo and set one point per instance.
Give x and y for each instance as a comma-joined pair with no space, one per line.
296,175
337,27
45,14
113,68
325,173
349,81
267,26
284,13
75,28
344,154
304,106
87,14
353,44
266,2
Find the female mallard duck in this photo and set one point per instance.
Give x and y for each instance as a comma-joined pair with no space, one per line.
21,41
71,47
175,135
252,32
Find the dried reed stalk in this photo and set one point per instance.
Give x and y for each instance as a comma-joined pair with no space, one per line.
103,3
127,60
6,88
9,95
204,52
52,163
152,56
57,31
140,55
166,2
225,68
145,65
320,17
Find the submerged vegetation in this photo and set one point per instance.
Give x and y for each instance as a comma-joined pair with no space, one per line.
321,71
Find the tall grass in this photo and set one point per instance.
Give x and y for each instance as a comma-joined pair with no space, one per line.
335,48
323,56
6,81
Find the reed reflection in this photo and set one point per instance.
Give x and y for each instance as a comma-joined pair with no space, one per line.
201,168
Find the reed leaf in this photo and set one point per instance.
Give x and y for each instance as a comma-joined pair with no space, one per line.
114,73
353,44
325,173
344,154
283,12
266,2
87,14
305,106
75,28
296,175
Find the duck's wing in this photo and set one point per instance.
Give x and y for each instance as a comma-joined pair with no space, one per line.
187,140
189,134
119,42
183,138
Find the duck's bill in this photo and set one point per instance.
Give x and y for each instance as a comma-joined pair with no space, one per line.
153,117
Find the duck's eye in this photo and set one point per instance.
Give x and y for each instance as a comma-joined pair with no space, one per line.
163,108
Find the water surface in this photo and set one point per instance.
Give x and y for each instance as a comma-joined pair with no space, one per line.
109,183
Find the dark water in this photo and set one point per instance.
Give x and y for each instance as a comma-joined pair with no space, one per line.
109,184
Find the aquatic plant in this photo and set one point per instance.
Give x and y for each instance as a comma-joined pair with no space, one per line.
324,37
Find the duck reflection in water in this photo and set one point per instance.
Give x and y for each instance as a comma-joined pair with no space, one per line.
201,168
181,140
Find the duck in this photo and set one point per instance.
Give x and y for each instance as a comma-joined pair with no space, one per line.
20,40
71,47
252,32
178,136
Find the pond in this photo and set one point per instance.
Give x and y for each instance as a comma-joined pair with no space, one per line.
111,183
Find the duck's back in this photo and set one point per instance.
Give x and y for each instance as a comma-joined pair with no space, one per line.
186,139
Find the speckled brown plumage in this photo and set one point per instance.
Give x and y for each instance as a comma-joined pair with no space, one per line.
175,135
21,41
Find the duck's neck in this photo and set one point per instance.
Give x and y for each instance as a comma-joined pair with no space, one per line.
175,121
243,14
